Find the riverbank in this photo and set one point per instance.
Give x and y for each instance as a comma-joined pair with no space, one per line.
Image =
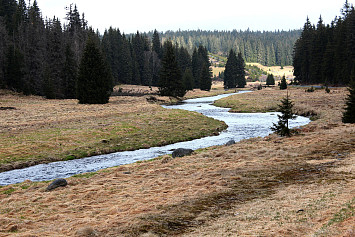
35,130
298,186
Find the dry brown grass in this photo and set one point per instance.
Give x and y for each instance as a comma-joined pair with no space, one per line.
276,70
37,130
328,106
298,186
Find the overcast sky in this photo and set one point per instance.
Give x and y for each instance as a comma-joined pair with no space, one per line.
146,15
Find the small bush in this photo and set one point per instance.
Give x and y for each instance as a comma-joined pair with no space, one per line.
311,89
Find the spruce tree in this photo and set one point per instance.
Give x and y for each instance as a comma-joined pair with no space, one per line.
195,68
240,77
111,46
69,73
206,80
55,59
270,80
285,108
349,113
283,84
156,44
14,69
230,72
3,47
188,79
95,79
35,52
170,83
204,66
126,63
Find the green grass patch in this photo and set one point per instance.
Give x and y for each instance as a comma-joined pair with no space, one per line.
346,212
9,191
106,135
85,175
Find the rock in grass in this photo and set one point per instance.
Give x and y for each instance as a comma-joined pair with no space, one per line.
86,232
180,152
230,142
56,184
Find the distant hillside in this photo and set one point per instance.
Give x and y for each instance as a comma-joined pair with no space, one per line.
267,48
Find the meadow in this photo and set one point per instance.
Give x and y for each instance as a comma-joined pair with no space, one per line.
302,185
35,130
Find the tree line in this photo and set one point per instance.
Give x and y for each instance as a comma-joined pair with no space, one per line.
40,56
44,57
325,54
267,47
137,59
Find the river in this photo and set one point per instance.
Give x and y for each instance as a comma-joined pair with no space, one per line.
240,126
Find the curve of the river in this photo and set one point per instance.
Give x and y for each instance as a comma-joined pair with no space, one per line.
240,126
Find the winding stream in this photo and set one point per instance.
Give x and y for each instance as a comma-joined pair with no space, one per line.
240,126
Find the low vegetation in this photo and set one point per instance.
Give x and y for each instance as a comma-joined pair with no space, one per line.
39,130
274,186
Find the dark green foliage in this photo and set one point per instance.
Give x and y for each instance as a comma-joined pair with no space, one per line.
147,75
170,83
200,59
3,47
184,59
188,79
349,113
234,74
324,54
283,83
267,48
156,44
195,68
112,47
69,73
230,72
254,73
51,54
14,69
48,85
7,12
206,79
270,80
55,56
240,78
94,79
311,89
327,89
285,108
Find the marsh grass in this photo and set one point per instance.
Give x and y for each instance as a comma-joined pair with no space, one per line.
268,186
316,105
52,135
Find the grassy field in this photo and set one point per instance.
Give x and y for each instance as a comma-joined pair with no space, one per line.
298,186
275,70
35,130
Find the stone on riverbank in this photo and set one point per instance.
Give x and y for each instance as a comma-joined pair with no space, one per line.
230,142
56,184
180,152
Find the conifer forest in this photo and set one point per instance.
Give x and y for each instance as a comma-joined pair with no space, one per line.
42,56
325,54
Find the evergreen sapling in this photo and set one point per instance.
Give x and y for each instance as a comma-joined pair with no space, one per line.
282,126
349,113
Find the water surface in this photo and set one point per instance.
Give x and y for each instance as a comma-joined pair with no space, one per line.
240,126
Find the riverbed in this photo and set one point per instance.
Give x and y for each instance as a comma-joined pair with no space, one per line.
240,126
